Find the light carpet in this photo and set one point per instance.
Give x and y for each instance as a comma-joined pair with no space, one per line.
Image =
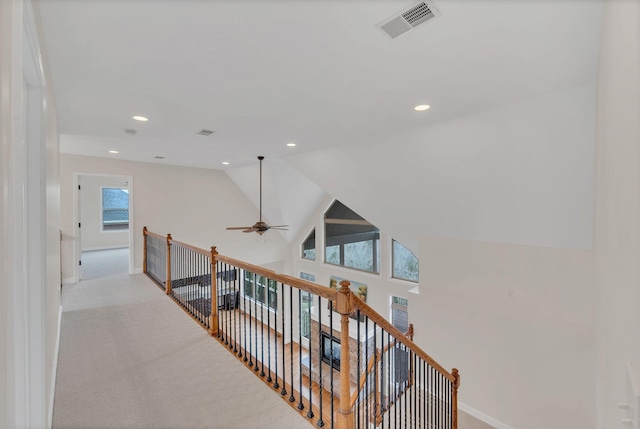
104,263
131,358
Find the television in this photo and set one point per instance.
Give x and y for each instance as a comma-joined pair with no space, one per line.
330,350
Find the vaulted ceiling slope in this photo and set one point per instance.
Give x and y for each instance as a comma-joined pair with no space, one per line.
320,74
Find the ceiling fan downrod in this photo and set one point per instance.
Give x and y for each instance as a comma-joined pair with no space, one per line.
260,158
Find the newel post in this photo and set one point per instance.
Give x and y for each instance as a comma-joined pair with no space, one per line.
168,283
144,258
454,398
344,415
213,318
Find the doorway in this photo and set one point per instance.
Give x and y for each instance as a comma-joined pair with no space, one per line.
104,227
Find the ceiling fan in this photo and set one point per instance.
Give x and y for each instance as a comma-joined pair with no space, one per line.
260,227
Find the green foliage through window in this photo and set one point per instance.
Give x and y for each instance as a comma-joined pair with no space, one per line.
405,263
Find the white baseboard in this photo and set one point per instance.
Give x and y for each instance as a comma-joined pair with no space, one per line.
54,375
117,246
137,271
482,416
69,281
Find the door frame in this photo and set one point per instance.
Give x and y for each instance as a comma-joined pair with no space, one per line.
77,248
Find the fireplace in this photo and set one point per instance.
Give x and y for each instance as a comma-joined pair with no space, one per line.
330,350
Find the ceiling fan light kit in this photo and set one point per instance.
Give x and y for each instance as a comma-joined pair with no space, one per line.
260,227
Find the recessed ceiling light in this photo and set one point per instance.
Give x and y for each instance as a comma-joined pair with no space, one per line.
225,162
422,107
113,151
140,118
291,144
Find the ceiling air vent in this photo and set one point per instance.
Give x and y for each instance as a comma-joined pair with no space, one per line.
130,131
411,17
204,132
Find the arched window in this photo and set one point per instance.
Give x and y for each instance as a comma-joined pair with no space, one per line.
350,241
404,263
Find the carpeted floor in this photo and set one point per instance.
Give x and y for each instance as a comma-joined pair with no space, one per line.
104,263
131,358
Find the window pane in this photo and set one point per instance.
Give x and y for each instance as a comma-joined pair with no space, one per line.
359,255
400,313
309,246
115,209
405,263
308,277
259,290
333,255
273,294
305,312
248,284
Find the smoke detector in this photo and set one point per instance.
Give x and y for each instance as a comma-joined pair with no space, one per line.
410,17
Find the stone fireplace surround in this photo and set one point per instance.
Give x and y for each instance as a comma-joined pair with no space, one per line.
316,358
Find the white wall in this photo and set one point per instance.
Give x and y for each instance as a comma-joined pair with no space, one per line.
518,321
92,236
29,243
194,205
520,174
617,226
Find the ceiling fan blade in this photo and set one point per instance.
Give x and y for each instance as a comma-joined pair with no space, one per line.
239,227
280,229
250,230
279,226
348,221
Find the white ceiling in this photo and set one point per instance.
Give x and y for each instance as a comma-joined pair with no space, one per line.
314,72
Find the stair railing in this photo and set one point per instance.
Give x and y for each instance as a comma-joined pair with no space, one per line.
323,350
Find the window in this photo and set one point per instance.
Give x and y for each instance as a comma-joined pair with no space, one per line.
404,262
308,277
306,302
309,246
261,289
115,209
350,240
400,313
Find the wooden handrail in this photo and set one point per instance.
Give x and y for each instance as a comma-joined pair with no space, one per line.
144,259
192,248
305,285
152,234
384,324
346,303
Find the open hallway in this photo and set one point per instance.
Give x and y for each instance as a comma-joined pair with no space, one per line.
131,358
